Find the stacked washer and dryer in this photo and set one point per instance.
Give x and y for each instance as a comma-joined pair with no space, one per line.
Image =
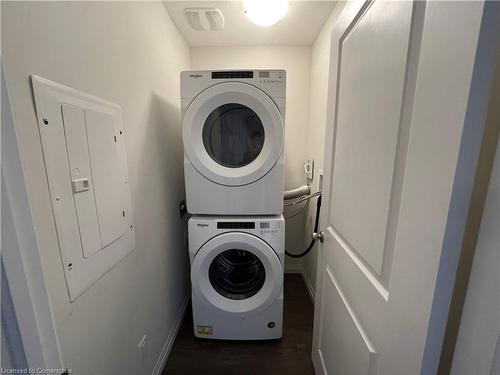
233,135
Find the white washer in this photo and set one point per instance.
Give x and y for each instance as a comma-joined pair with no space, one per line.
237,267
233,133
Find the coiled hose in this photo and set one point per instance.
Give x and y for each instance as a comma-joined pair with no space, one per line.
313,241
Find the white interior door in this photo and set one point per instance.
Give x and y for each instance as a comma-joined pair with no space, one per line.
405,121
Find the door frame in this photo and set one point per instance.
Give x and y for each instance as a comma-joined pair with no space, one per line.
469,143
474,246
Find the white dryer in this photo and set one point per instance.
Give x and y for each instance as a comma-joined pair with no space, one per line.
237,267
233,134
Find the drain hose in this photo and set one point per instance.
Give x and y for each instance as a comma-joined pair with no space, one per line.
313,241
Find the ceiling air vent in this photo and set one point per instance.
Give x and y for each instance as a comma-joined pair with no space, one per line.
204,19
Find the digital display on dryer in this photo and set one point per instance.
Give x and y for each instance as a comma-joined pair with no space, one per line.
264,225
228,74
235,225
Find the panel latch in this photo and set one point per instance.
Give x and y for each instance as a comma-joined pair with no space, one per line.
80,185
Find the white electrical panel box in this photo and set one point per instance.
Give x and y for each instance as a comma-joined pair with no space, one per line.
84,150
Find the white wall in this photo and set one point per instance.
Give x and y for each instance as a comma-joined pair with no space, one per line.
12,350
474,314
315,143
296,62
130,54
477,349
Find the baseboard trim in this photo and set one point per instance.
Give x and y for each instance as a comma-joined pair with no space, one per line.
294,268
309,285
169,342
298,268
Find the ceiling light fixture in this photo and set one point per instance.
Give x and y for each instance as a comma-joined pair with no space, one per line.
265,13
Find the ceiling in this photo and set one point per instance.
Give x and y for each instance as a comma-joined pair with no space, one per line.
299,27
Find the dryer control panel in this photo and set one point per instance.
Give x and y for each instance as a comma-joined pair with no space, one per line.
263,76
235,225
271,81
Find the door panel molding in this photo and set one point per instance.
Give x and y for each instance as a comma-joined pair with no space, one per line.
415,39
354,351
370,91
364,268
361,331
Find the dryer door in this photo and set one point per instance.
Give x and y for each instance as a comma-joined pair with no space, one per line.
233,133
237,273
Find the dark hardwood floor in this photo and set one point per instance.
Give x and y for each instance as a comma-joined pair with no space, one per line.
289,356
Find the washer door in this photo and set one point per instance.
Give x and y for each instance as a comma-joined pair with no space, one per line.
233,133
237,273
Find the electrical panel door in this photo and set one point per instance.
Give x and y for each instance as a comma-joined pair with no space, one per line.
83,143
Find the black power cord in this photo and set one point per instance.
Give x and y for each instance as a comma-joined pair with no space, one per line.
313,241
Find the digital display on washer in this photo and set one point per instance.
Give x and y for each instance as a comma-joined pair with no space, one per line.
263,74
264,225
235,225
238,74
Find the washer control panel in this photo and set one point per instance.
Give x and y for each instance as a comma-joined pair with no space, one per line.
275,76
262,227
269,227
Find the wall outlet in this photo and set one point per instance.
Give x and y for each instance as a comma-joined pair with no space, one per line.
309,169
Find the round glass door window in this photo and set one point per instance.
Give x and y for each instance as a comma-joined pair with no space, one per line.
233,135
237,274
